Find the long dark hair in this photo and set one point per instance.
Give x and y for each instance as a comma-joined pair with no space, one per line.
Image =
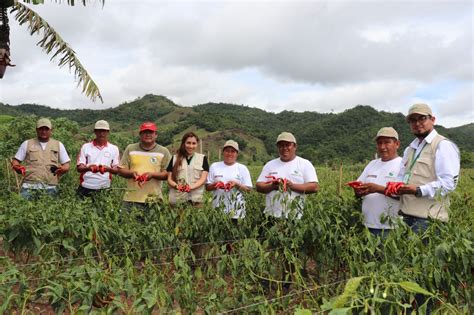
181,153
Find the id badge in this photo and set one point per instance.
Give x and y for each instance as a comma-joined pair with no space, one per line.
406,178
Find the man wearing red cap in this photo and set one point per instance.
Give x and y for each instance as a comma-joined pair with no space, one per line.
144,165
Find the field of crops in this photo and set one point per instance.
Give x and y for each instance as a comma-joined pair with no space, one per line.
65,255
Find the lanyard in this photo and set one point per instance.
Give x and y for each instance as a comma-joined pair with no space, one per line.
416,157
412,163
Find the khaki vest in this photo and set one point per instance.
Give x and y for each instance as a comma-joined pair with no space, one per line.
188,174
38,162
423,172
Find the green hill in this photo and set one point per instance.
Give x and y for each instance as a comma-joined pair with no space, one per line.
322,138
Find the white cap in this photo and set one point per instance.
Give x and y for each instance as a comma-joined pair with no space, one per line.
101,125
286,136
231,143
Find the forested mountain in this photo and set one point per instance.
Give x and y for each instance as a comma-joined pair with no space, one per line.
322,138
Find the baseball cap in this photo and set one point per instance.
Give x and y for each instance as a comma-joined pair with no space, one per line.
231,143
286,136
44,122
421,109
102,125
148,126
388,132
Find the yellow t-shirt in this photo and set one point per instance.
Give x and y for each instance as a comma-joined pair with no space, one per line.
141,161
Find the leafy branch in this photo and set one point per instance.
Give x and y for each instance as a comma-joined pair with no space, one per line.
53,44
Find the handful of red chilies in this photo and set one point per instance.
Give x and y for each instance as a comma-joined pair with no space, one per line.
225,186
183,188
98,169
392,188
20,169
281,181
141,179
354,184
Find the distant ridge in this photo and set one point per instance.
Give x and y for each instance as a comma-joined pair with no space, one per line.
321,137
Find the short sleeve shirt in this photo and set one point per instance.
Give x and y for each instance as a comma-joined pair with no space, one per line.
375,206
21,153
232,201
141,161
299,171
92,154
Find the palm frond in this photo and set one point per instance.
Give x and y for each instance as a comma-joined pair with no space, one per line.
52,43
69,2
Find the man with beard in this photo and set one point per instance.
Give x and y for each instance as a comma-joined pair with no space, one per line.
430,170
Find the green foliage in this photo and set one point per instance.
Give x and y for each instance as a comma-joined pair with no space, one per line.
322,138
94,256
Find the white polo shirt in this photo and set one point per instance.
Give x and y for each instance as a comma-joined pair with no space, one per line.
299,171
92,154
232,201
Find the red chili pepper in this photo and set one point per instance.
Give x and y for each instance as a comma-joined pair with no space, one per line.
285,181
183,188
220,185
354,184
228,186
393,188
102,169
272,180
94,168
141,179
20,169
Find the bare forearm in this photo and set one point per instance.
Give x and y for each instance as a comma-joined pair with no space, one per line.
305,188
266,188
125,172
81,168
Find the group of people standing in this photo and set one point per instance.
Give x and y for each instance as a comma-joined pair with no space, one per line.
414,186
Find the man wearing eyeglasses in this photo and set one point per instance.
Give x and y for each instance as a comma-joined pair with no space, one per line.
430,170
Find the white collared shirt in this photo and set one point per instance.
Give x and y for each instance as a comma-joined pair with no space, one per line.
93,154
447,165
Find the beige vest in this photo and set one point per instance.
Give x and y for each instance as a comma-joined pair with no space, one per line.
38,162
424,172
188,174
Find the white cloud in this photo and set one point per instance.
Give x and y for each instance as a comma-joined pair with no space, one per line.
298,55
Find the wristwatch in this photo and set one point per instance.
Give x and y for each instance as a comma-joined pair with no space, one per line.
418,192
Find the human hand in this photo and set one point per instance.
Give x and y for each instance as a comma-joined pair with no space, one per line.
59,171
20,169
94,168
393,188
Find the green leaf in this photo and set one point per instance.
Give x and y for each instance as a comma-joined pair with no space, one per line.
414,287
302,311
340,311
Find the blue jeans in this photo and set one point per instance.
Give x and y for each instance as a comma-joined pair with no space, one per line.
417,225
32,194
382,233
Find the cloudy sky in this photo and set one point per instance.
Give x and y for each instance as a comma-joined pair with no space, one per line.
324,56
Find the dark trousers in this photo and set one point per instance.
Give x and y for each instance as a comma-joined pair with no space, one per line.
83,192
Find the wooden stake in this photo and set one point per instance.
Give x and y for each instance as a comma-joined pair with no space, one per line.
339,191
